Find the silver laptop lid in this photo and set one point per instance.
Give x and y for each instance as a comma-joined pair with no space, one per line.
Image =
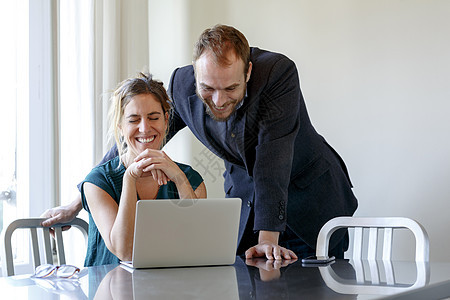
191,232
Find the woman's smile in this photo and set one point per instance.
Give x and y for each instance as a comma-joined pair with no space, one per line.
143,140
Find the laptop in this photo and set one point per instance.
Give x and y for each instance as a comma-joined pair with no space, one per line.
188,232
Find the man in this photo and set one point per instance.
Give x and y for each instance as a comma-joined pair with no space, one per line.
246,106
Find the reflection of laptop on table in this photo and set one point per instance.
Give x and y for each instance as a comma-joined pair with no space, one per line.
216,283
176,233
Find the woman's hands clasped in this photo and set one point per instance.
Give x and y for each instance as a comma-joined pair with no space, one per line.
155,163
158,164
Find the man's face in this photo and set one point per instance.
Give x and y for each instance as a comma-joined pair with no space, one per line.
221,87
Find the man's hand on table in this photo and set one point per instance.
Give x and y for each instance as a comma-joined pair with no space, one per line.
268,247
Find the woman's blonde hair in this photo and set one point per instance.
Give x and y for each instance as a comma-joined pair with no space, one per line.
127,89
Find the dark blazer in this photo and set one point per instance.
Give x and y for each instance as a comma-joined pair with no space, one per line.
285,172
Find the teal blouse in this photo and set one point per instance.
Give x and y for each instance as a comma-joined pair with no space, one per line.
109,177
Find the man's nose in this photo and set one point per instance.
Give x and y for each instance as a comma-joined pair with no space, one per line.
219,98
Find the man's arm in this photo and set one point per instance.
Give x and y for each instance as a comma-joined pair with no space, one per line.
62,214
278,125
176,122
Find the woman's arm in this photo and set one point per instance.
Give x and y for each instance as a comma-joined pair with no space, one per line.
200,191
114,222
184,187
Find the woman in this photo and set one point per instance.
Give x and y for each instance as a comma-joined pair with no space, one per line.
141,171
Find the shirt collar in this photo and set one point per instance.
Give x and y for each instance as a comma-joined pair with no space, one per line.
239,105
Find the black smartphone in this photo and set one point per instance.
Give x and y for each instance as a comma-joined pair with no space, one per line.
315,260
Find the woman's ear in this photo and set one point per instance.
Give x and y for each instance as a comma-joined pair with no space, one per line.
119,127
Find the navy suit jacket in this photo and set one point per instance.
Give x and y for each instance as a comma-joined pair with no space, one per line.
285,171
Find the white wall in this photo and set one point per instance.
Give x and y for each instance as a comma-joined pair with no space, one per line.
171,42
376,79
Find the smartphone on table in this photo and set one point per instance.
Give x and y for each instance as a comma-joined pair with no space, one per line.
318,260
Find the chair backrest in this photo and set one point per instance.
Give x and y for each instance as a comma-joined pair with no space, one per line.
374,224
33,224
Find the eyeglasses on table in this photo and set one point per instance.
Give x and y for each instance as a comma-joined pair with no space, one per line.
63,271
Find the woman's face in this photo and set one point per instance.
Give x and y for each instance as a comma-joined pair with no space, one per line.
143,124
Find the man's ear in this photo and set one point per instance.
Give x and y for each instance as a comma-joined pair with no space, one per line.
166,115
249,72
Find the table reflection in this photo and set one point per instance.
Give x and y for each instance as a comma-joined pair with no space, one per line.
288,280
52,287
246,279
171,283
378,277
65,287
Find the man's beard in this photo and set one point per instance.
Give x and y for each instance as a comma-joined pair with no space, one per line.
209,103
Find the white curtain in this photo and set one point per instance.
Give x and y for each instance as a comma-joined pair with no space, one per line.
101,42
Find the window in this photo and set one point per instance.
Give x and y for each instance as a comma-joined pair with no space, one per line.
9,60
27,182
14,78
76,93
76,107
63,57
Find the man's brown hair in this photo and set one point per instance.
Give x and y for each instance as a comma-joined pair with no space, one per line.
220,40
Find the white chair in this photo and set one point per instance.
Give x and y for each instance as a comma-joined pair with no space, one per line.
388,224
374,276
33,224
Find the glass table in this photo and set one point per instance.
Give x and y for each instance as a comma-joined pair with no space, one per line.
246,279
